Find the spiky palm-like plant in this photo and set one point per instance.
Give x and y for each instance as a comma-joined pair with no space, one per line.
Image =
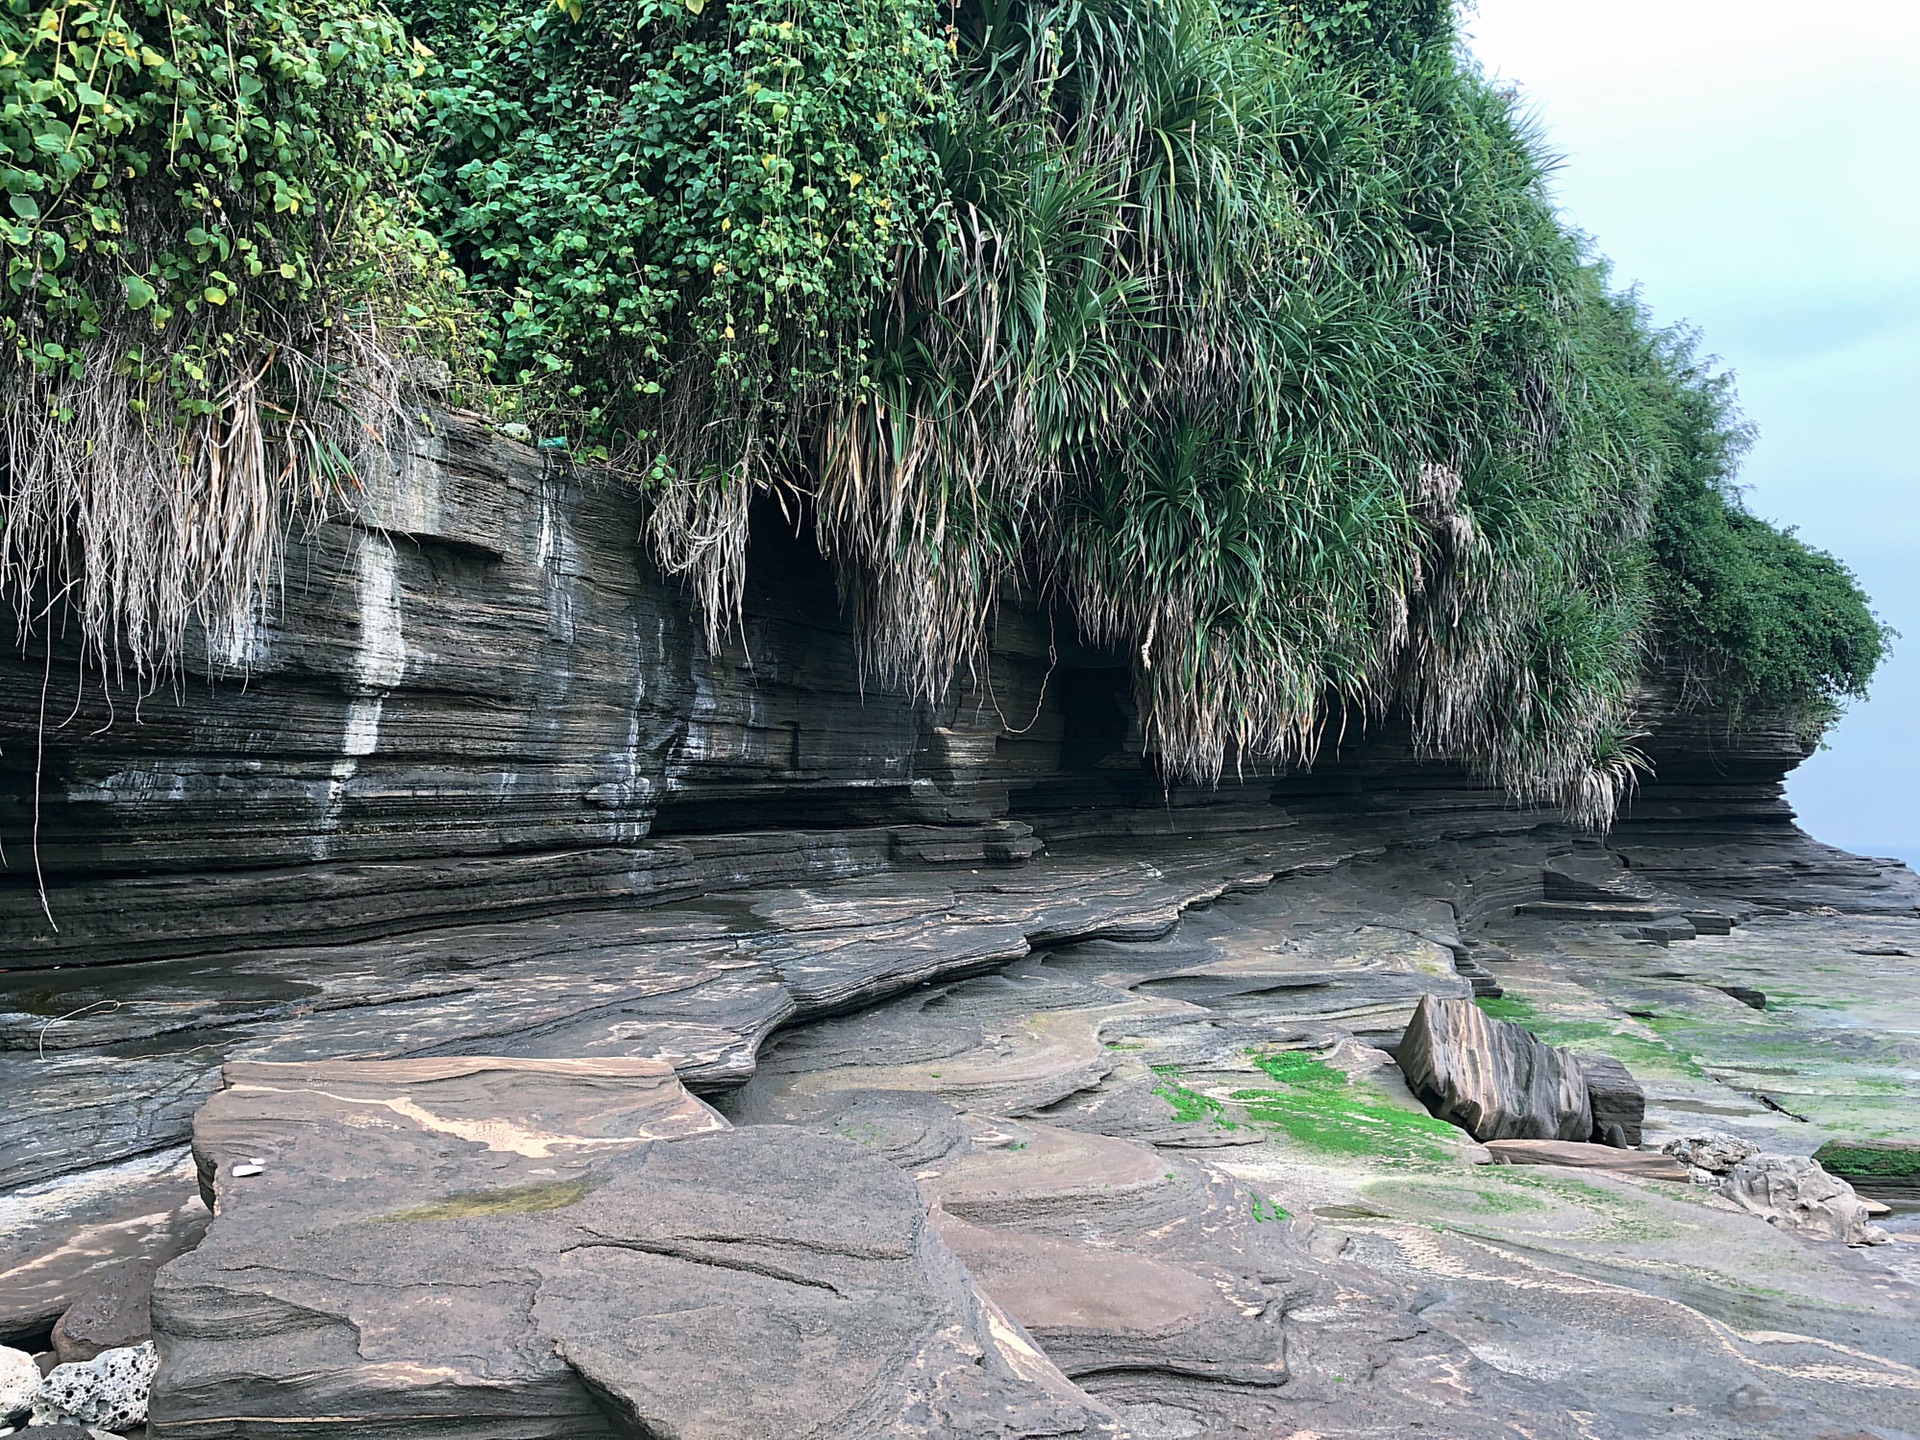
1279,373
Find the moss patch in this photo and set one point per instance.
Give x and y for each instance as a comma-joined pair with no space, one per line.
1320,1107
1665,1053
511,1200
1865,1160
1193,1108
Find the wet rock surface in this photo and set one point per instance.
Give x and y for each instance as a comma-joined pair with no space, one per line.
1173,1190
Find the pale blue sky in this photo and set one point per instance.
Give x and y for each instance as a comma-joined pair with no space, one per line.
1755,166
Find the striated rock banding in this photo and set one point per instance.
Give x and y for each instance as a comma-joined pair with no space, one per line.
1491,1077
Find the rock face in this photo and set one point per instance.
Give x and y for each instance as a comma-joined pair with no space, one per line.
569,1249
1492,1077
478,700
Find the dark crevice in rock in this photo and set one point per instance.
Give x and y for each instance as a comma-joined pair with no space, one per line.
718,1260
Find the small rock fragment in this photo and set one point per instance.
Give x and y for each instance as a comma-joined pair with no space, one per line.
110,1314
19,1379
1713,1151
109,1390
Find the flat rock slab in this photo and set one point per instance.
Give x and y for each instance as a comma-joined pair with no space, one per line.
1580,1155
528,1250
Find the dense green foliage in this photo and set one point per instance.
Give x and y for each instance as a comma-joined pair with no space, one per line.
190,162
207,222
1753,616
664,191
1242,330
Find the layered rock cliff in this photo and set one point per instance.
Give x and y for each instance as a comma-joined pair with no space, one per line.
477,699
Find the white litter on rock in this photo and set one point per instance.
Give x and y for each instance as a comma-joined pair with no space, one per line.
241,1172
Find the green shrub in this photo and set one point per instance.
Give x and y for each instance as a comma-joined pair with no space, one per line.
210,259
1757,619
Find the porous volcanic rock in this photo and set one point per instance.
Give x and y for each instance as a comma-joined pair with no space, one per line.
1492,1078
19,1378
569,1249
1794,1193
110,1391
1712,1151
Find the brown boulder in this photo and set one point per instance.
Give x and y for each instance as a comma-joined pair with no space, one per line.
110,1314
1494,1079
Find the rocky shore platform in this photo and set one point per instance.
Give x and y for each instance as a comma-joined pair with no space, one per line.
1108,1143
548,1026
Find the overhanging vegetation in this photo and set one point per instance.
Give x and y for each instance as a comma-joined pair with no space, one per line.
1243,331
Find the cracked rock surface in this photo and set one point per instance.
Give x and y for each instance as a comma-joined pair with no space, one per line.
568,1249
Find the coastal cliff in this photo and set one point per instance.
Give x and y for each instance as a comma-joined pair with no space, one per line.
480,839
477,698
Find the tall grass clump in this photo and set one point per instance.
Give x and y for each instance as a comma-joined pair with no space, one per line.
1277,369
